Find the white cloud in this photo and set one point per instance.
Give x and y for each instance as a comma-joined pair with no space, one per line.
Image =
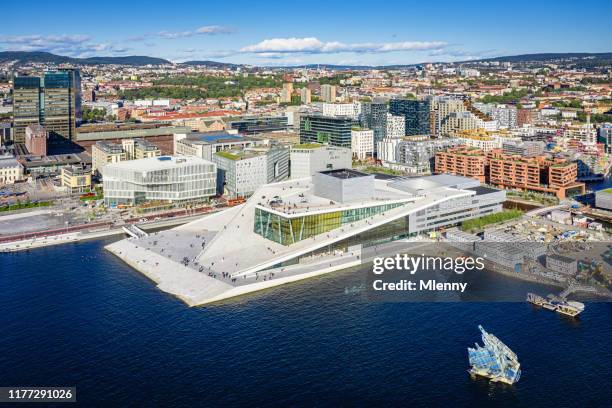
205,30
71,45
313,45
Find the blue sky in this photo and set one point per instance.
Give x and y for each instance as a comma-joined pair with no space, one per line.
290,32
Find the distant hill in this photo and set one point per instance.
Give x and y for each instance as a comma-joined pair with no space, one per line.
212,64
47,57
546,57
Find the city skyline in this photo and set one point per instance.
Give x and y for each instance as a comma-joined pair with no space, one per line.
291,34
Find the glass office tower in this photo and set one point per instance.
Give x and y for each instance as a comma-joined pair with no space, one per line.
415,113
335,131
26,105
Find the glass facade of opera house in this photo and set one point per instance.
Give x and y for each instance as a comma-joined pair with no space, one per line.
174,180
446,213
288,230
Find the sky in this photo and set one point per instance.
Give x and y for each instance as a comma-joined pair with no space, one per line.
307,32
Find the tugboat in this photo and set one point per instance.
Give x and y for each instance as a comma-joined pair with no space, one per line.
494,361
557,304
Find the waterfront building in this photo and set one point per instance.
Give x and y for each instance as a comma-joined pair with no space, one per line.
362,143
177,180
36,140
299,228
307,159
335,131
76,178
553,176
10,170
205,145
26,105
396,126
415,113
249,125
328,93
242,171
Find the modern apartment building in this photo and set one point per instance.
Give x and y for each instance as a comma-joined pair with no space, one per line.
362,143
525,149
540,173
417,156
335,131
415,113
352,110
307,159
177,180
462,161
242,171
396,127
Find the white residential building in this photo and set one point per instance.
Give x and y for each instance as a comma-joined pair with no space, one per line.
362,143
396,126
352,110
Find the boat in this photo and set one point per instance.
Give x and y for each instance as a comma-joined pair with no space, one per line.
557,304
494,361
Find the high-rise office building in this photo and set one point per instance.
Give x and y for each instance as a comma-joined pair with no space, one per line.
26,105
328,93
326,129
54,102
374,117
415,113
62,102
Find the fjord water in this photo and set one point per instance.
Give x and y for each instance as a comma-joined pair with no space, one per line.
74,315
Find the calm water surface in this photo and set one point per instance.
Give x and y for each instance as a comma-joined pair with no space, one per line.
75,315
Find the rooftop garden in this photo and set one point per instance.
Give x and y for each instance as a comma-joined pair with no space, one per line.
477,224
228,155
308,146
